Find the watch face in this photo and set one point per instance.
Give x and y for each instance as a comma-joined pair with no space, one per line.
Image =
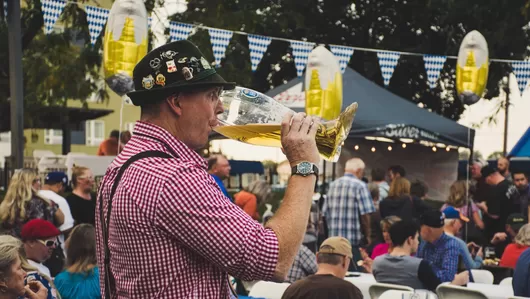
304,168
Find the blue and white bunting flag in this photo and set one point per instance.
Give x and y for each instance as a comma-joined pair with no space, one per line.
179,31
343,54
96,18
433,65
387,63
257,44
219,39
301,52
521,69
51,10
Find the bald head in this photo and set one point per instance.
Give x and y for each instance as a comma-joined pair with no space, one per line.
503,165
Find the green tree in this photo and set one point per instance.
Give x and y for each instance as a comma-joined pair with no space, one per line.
495,155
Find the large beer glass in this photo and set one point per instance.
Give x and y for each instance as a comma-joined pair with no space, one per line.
254,118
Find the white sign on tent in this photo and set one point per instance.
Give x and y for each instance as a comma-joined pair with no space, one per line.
293,97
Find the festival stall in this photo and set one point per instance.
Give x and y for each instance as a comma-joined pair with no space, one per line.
390,130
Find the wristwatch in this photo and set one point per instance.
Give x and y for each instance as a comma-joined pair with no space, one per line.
305,169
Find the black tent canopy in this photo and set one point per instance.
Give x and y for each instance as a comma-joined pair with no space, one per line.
384,114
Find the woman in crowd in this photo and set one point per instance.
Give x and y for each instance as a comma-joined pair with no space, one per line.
458,200
400,203
81,277
22,203
385,247
82,203
12,275
513,251
252,197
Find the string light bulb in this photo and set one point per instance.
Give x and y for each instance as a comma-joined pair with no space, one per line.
434,148
389,148
447,149
356,147
373,149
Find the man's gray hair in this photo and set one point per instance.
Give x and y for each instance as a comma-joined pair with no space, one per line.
354,164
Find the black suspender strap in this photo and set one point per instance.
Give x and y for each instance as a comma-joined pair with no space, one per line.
108,277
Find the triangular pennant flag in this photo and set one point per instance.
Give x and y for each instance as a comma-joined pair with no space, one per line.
521,69
179,31
387,63
219,39
257,45
301,52
343,54
433,65
51,10
96,18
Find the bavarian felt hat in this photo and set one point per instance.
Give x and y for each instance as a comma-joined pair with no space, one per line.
173,67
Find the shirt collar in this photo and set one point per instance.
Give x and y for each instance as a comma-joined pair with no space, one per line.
160,134
351,175
440,240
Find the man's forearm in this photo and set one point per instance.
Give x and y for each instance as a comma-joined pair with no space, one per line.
290,221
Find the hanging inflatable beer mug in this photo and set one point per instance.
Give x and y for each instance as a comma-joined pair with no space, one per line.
472,68
323,84
254,118
124,43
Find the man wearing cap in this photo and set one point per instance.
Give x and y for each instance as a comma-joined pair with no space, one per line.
440,250
503,201
169,231
453,225
502,239
39,237
333,258
400,267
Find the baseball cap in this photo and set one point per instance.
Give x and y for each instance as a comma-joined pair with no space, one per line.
56,177
38,229
452,213
487,171
433,218
336,245
516,220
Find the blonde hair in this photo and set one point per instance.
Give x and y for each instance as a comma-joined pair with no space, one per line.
388,222
261,189
10,249
457,194
19,192
81,249
523,236
77,171
400,186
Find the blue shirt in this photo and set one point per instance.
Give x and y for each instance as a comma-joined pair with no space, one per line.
521,275
347,198
221,186
443,256
78,285
52,292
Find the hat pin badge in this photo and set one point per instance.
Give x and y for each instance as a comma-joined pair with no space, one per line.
188,73
154,63
160,80
168,54
171,66
148,82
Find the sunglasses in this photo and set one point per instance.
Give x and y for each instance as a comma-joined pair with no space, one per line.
48,243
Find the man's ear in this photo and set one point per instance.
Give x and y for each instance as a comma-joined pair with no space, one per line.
174,105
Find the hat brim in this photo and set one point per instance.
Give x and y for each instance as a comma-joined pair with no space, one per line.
142,97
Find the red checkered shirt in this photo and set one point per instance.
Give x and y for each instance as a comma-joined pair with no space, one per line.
173,234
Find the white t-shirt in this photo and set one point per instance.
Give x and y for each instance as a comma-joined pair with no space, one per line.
41,268
65,208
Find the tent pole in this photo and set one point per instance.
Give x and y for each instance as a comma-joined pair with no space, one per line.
323,187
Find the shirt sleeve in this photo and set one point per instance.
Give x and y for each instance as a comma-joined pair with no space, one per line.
308,261
196,213
366,204
427,276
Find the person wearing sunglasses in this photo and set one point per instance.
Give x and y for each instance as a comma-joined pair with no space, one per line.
40,239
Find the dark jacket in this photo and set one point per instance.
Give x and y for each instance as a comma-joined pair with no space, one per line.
405,207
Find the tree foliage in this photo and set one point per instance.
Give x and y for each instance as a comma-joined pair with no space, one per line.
432,27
